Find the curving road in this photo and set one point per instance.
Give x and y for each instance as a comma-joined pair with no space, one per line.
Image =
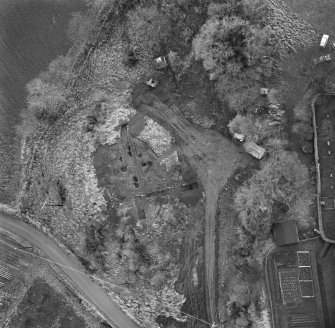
97,296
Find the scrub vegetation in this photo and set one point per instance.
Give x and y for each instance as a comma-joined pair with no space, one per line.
126,176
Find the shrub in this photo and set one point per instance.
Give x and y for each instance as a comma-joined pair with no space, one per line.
237,93
178,65
282,179
244,124
253,129
275,145
231,45
45,100
148,29
303,130
230,39
29,124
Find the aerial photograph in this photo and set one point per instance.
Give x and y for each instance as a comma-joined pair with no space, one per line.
167,164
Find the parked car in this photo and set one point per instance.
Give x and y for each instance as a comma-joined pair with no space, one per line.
324,41
322,59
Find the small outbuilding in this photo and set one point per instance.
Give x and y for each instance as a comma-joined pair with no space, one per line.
238,136
152,83
264,91
160,63
285,233
254,150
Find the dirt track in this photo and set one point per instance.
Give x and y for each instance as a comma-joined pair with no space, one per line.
212,156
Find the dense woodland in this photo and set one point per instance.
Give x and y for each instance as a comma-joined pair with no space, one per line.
232,41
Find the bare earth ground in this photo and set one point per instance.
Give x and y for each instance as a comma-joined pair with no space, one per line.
36,296
212,156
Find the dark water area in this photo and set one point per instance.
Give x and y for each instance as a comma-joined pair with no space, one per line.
32,34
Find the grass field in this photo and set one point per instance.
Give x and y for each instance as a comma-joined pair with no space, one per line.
319,13
42,306
36,296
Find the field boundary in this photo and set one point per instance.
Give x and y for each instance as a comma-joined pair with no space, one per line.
317,165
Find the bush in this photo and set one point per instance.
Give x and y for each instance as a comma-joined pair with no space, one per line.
148,29
237,92
282,179
257,130
29,124
46,100
303,130
231,45
229,40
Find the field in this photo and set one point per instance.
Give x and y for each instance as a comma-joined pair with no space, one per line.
37,309
33,295
319,13
311,308
304,296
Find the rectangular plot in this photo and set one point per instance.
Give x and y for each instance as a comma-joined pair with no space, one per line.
307,289
304,258
303,320
305,273
289,285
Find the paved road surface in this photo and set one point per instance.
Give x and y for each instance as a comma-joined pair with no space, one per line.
93,293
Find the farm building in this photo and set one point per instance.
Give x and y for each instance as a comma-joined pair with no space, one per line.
285,233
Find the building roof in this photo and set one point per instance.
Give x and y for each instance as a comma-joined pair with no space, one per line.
285,232
253,149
